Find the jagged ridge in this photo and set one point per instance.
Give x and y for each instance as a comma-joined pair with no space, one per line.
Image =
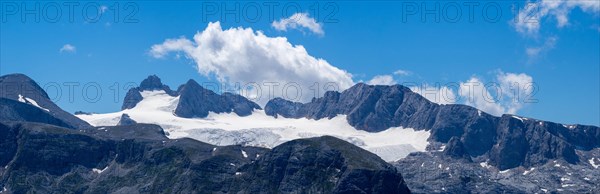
509,141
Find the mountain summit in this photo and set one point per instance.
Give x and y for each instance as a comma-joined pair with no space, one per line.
194,100
151,83
22,99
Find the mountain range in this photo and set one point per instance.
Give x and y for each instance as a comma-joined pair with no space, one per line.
199,140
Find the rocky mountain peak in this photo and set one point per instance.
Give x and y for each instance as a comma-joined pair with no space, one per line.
17,84
151,83
197,101
21,90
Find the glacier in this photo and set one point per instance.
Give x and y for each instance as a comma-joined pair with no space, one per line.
259,129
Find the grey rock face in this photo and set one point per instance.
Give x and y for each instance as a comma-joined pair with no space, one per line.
196,101
126,120
455,149
435,172
279,106
132,97
11,110
321,165
509,141
140,159
13,85
369,108
151,83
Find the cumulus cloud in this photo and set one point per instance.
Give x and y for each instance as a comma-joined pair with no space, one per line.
476,94
68,48
401,72
382,80
437,94
505,93
297,21
508,93
529,17
242,55
388,79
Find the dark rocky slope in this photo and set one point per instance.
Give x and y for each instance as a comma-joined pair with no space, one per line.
509,141
335,165
11,110
437,172
13,85
40,158
196,101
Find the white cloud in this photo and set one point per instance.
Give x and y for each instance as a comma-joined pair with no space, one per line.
67,48
529,17
513,84
507,94
242,55
299,20
475,93
401,72
382,80
534,52
436,94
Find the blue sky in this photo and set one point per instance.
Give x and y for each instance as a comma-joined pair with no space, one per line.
366,40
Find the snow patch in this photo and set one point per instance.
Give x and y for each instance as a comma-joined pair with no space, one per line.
32,102
99,171
520,118
593,163
479,112
244,154
484,165
261,130
528,171
442,148
21,99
